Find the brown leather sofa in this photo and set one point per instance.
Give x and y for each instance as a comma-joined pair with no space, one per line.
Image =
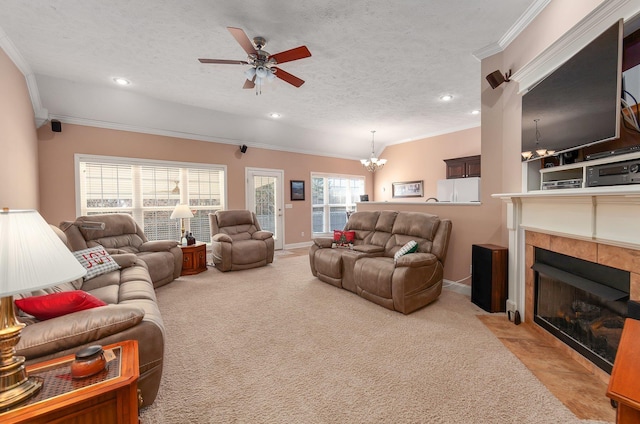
121,234
238,242
131,314
369,269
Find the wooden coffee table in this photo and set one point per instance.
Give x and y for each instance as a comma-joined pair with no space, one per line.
110,396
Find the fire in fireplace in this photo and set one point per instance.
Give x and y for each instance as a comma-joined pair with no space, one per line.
582,303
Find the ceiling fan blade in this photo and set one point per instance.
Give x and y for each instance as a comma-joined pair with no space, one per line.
293,54
287,77
242,39
249,83
224,61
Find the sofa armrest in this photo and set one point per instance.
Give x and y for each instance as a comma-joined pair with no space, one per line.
220,237
76,329
125,260
323,242
368,248
415,260
158,245
262,235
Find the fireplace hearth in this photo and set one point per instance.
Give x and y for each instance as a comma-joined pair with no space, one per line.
582,303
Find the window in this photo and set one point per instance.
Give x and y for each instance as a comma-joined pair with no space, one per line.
149,191
332,196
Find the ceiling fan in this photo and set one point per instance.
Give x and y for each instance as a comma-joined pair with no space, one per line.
262,62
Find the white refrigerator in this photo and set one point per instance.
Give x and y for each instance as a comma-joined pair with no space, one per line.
459,190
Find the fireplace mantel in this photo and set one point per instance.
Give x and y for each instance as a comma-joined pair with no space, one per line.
607,216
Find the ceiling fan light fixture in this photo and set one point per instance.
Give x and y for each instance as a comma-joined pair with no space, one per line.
250,73
262,71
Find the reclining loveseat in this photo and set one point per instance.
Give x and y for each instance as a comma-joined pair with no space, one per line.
370,266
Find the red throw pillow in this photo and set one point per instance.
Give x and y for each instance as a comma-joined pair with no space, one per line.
342,238
58,304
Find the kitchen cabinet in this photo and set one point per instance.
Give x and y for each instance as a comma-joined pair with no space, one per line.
464,167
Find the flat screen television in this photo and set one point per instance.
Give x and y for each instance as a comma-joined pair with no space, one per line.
578,104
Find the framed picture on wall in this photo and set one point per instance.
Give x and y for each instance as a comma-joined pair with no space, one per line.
297,190
407,189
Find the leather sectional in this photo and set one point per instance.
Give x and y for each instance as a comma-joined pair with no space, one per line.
131,313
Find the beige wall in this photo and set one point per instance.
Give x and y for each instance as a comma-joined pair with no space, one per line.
18,146
57,175
423,160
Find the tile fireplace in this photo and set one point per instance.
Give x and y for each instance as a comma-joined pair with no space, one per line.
600,226
581,303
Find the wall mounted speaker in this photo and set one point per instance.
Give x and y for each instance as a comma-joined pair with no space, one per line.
243,148
56,126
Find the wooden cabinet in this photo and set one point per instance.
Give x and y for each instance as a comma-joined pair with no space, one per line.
464,167
110,396
623,384
194,258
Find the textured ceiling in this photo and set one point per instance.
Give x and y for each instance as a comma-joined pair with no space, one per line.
375,65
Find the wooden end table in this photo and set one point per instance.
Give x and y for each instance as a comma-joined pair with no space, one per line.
623,384
110,396
194,258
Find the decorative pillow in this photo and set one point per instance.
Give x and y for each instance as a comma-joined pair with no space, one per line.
57,304
410,247
96,260
344,238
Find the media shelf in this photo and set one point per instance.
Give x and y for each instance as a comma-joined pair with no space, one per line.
534,177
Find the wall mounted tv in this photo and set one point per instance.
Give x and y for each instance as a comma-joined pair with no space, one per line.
578,104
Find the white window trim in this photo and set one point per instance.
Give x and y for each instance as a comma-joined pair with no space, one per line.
329,175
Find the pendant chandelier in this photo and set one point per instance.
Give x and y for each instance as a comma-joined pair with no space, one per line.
373,163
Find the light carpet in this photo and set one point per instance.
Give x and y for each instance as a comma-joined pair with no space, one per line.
276,345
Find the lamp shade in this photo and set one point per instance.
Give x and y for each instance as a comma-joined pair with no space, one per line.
32,256
181,211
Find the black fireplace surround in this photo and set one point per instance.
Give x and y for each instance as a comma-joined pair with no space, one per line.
582,303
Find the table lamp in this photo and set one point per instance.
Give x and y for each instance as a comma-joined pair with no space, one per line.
181,211
32,257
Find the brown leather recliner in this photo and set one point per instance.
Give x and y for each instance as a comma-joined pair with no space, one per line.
238,242
121,234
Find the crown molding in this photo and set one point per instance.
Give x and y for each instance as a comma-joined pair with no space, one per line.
189,136
40,113
594,24
512,33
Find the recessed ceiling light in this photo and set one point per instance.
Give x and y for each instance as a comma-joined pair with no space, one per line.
121,81
275,115
446,97
475,112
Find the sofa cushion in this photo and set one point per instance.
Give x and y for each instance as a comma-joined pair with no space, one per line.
96,261
76,329
416,224
57,304
246,252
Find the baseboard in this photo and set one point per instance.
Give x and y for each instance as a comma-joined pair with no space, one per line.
456,287
298,245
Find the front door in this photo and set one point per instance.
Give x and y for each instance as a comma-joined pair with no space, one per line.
265,197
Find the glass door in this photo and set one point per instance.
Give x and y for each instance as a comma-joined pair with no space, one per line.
265,197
